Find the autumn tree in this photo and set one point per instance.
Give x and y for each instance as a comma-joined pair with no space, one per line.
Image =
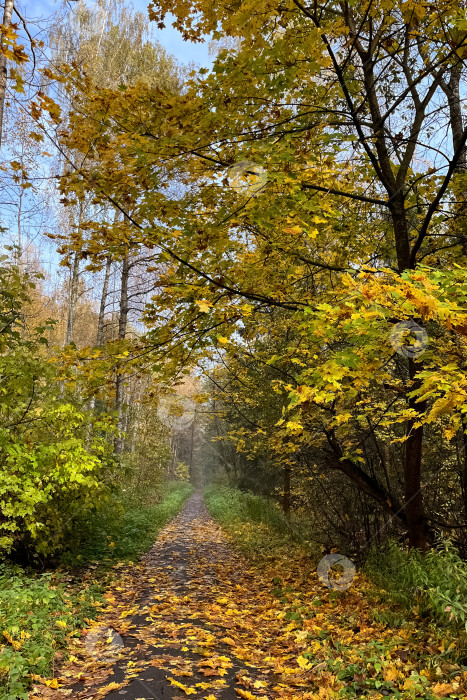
112,46
306,173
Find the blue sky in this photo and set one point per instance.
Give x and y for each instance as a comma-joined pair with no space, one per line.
171,40
169,37
38,14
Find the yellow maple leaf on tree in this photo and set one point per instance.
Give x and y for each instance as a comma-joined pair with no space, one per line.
204,306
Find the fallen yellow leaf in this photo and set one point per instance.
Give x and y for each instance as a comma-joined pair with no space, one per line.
245,694
185,688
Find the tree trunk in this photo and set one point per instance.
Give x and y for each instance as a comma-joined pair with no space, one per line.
192,443
123,316
7,12
171,465
414,509
452,93
286,499
20,230
73,298
74,284
401,233
366,484
122,325
105,291
464,471
101,318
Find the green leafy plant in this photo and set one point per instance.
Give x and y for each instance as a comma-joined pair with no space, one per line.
435,582
56,455
123,528
38,614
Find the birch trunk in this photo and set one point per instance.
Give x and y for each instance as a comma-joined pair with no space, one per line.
7,12
73,298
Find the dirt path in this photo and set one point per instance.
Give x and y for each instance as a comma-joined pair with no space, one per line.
187,622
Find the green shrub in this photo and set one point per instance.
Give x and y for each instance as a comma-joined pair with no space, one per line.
37,615
435,582
50,473
56,455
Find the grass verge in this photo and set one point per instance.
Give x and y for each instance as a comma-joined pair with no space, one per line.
126,528
434,585
257,525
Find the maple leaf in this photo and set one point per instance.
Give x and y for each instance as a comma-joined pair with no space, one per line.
245,694
187,690
294,230
442,689
109,687
304,663
390,673
204,306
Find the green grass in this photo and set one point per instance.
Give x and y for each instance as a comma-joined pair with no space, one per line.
126,528
432,584
257,524
229,505
40,612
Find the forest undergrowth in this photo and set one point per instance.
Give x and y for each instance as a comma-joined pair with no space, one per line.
40,612
398,630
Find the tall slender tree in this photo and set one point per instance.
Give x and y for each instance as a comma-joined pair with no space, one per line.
112,44
7,14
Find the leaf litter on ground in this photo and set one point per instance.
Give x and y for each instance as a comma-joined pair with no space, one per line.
217,626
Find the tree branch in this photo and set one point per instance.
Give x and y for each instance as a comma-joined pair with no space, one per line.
341,193
435,203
